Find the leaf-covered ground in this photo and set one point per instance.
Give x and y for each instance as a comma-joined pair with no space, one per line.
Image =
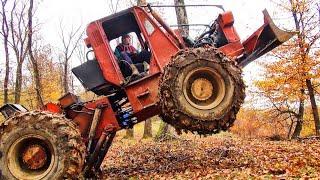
214,157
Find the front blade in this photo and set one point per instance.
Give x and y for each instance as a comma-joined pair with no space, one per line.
266,38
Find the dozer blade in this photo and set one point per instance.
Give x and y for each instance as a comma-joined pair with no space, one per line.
266,38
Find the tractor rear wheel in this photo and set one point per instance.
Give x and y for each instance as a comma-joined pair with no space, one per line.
37,145
201,90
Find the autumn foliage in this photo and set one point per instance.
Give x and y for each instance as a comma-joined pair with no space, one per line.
290,79
215,157
272,137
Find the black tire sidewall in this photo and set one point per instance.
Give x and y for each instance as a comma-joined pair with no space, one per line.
52,133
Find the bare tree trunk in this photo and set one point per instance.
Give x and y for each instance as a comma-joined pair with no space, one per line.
18,44
37,79
36,73
18,84
163,130
314,107
290,128
65,77
61,76
129,134
70,42
182,17
141,2
298,128
5,34
318,6
147,133
6,76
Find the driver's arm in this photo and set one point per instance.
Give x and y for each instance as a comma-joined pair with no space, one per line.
118,54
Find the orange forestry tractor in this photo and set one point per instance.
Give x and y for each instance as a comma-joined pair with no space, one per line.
194,85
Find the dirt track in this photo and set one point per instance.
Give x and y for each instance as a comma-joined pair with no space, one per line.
213,157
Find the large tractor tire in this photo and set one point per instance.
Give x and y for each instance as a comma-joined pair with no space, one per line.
201,91
38,145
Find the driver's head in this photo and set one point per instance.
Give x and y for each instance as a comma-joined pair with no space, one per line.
126,39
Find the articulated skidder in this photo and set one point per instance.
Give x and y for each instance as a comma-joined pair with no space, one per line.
194,85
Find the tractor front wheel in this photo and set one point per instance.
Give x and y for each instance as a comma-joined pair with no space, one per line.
38,145
201,90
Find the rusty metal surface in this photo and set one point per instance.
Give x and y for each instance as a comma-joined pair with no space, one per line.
232,50
93,127
201,89
34,156
100,149
68,99
83,120
234,47
107,118
94,155
105,148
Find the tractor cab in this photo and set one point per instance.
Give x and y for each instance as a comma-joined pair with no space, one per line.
108,71
116,29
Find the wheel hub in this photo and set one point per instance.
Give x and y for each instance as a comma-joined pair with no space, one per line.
34,156
201,89
30,157
204,88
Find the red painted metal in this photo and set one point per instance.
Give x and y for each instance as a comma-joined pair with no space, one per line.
84,117
234,47
143,97
162,48
263,40
52,107
250,44
143,93
232,50
161,44
226,21
97,39
68,100
108,116
83,120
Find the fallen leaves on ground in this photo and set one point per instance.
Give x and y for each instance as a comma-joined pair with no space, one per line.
213,157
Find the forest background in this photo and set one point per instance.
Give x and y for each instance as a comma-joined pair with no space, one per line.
42,40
